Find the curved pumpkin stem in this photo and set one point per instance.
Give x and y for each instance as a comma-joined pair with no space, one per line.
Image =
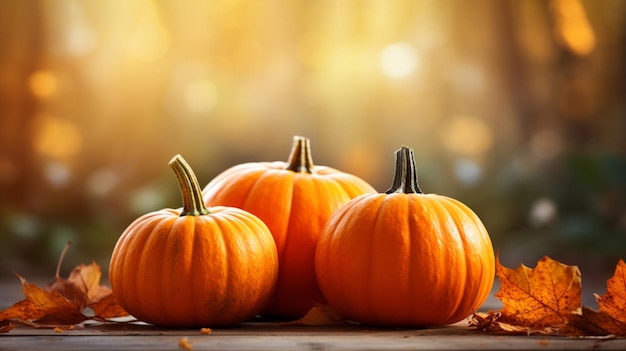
405,178
193,204
300,159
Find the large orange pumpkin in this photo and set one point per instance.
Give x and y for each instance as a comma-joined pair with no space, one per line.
194,266
294,199
404,258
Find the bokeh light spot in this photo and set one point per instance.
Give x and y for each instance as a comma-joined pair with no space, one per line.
57,174
467,171
200,96
542,212
399,60
55,137
573,28
43,83
146,199
467,136
102,182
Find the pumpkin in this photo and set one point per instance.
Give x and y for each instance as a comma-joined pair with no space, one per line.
194,266
294,199
404,258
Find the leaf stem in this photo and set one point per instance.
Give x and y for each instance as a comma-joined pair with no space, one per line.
66,248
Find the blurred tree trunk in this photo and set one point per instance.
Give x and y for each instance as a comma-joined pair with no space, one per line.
21,35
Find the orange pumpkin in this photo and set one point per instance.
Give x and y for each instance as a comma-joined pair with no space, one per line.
294,199
404,258
194,266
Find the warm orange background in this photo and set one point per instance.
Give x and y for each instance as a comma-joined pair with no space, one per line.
514,107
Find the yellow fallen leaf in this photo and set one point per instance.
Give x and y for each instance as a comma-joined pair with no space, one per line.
541,297
613,302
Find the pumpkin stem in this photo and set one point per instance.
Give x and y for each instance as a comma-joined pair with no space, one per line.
405,178
300,159
193,204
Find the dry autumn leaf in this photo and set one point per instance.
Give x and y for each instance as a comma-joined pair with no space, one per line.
590,322
6,327
546,300
542,297
63,301
489,322
43,307
613,302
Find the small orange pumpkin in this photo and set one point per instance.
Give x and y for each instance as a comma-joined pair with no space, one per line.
404,258
294,199
194,266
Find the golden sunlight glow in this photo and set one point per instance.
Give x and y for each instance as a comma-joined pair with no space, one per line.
311,50
572,27
43,83
399,60
467,135
149,40
55,137
200,96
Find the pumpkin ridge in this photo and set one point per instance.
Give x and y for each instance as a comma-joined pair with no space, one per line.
221,184
159,269
413,284
202,282
286,238
380,214
145,267
324,258
451,217
424,227
224,249
479,294
298,190
279,234
335,185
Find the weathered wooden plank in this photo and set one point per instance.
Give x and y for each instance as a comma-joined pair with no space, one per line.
277,336
313,340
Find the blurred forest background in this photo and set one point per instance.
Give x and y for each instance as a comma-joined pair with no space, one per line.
516,108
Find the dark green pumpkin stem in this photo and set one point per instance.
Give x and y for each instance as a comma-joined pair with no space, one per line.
300,159
193,204
405,178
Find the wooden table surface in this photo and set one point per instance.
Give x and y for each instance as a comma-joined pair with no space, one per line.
275,336
280,336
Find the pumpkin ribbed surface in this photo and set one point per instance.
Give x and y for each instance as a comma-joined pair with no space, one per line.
194,266
294,199
404,258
